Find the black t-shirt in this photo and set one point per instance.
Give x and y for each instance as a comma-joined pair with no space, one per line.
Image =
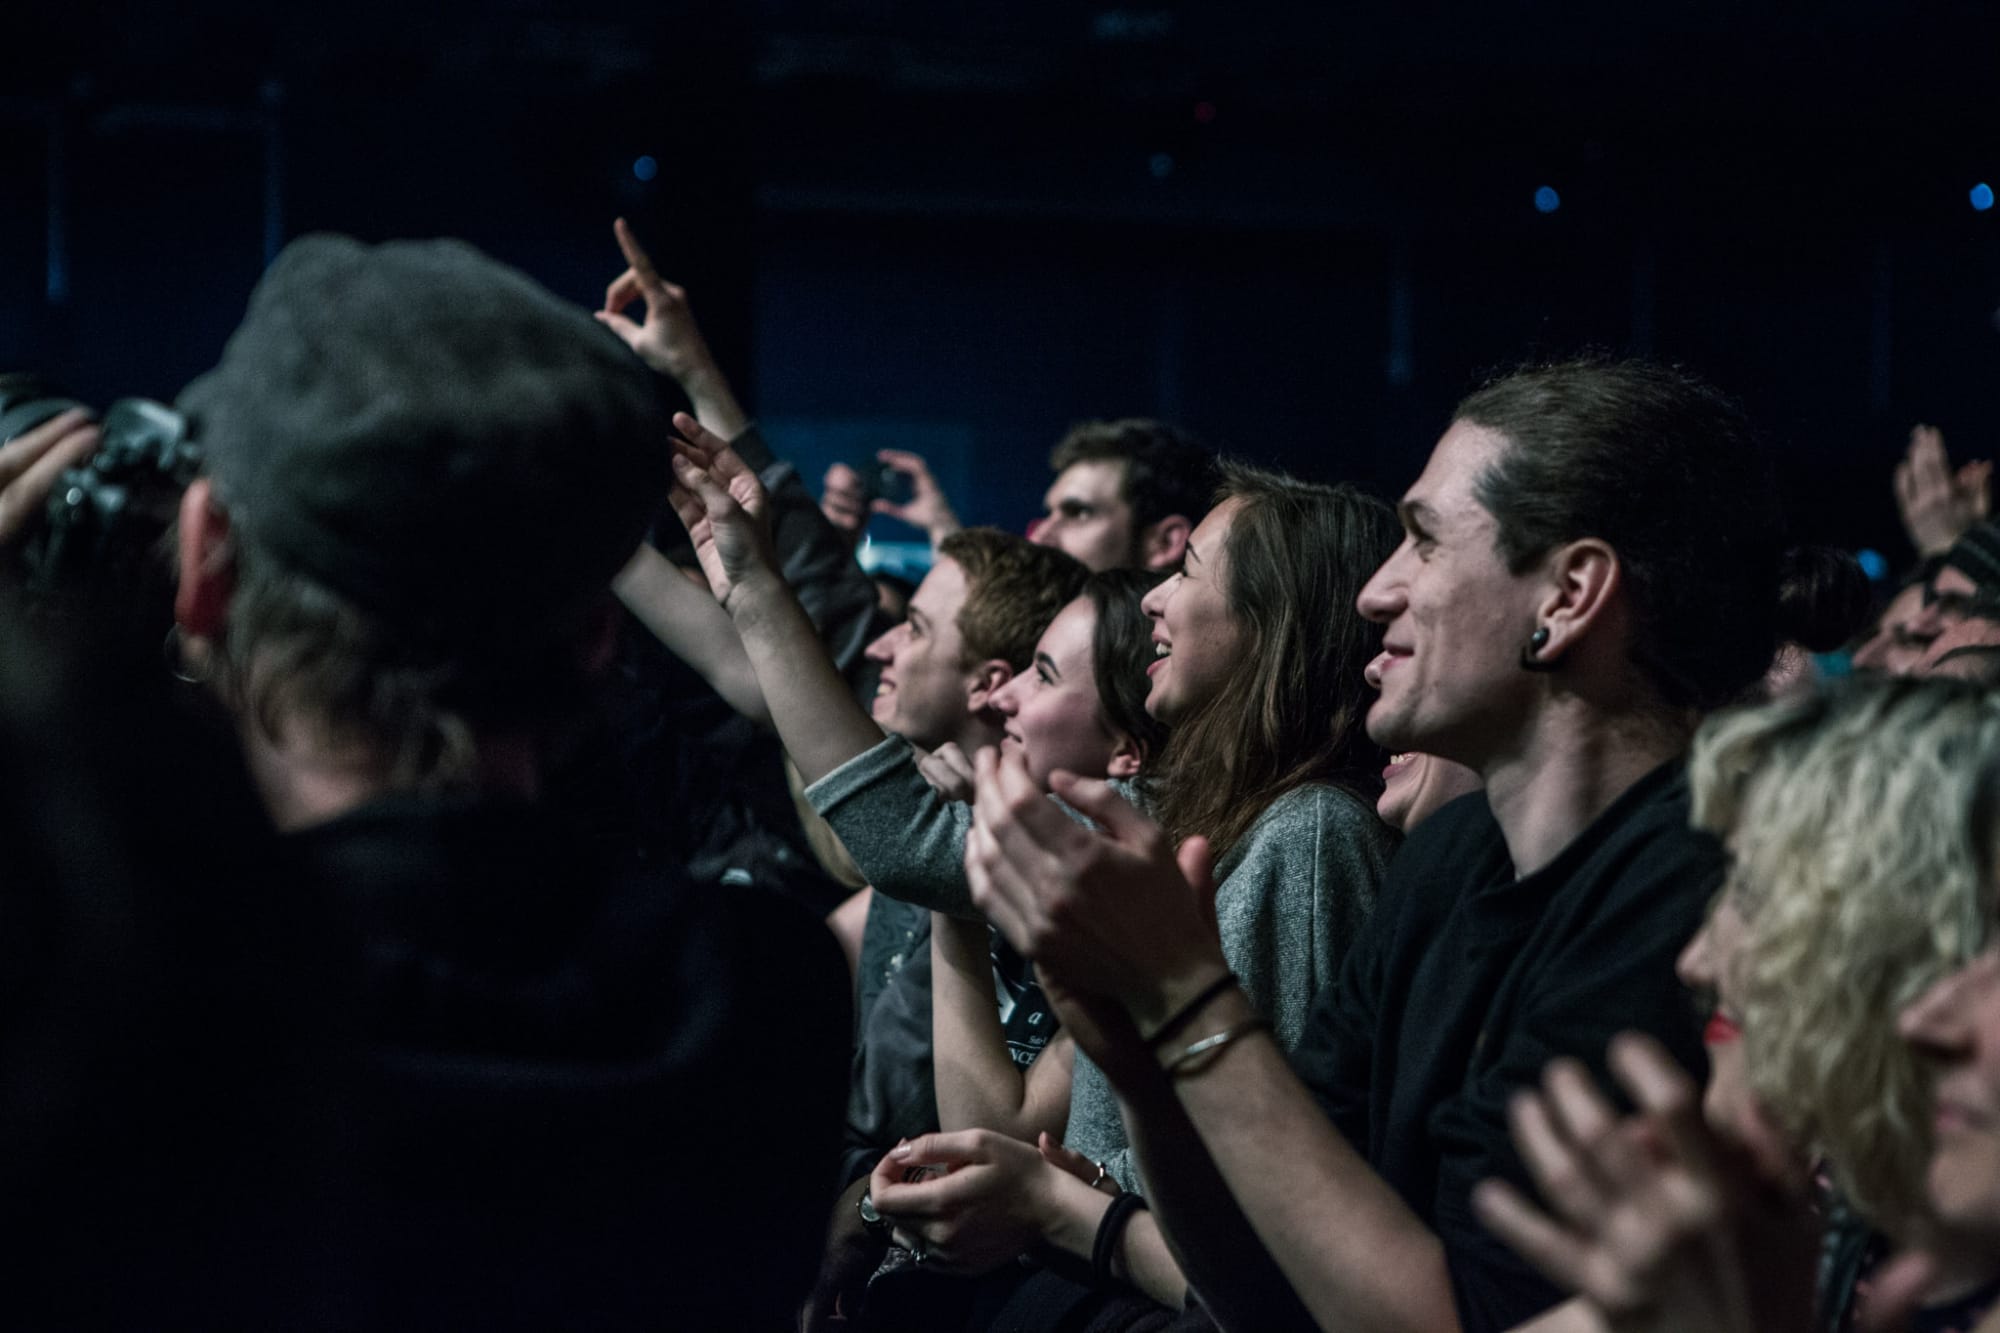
1467,982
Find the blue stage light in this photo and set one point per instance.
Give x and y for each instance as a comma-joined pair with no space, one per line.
1872,564
1162,165
1982,197
1547,200
645,168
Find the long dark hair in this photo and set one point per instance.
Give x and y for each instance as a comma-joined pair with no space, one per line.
1297,556
1121,648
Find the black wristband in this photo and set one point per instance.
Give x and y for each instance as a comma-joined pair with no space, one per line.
1178,1019
1109,1228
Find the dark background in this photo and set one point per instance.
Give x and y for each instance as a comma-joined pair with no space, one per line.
1302,230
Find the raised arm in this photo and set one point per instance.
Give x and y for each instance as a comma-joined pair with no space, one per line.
668,339
693,626
1112,914
1937,503
978,1084
722,504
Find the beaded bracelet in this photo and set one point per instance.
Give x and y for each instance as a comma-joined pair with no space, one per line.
1178,1019
1175,1067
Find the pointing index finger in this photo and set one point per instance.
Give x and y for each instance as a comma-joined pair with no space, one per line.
635,254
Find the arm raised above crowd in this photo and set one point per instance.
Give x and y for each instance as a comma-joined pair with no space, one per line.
668,339
1113,914
723,506
693,627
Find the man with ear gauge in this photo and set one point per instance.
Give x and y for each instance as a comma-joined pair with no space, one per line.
1557,621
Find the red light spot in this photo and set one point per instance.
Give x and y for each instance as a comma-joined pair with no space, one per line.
1204,112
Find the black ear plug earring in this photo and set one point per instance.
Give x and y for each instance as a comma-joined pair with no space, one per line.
1530,654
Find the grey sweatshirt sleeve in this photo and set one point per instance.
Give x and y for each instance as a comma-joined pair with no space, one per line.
1294,892
905,838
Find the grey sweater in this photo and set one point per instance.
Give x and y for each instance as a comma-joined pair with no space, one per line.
1293,894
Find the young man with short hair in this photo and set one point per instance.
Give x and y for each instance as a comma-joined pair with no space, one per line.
1126,494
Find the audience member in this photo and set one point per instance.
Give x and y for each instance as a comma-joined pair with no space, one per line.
1823,603
1125,495
1551,623
550,1044
1970,573
1892,644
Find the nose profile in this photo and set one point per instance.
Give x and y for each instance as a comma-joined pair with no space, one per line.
884,646
1381,598
1696,964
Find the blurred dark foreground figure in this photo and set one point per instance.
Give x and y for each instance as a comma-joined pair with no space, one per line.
171,1078
580,1093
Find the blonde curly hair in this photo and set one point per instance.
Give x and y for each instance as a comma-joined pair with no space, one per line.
1859,877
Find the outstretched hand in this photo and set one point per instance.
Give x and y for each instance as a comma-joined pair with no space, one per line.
927,507
1115,912
1651,1218
1938,504
30,464
724,509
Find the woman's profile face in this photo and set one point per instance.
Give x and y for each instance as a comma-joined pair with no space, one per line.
1053,716
1196,631
1956,1023
1728,1104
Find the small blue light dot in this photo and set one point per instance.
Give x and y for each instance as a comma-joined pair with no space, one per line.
1982,197
645,168
1872,564
1547,200
1162,165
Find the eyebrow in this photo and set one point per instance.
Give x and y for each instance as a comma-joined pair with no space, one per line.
1049,664
1415,513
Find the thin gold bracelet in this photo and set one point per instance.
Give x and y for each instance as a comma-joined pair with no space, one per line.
1179,1065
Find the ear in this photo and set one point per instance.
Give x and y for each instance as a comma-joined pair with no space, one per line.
207,569
1126,757
985,682
1162,545
1585,580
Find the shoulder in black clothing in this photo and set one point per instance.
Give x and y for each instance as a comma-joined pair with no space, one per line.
580,1097
1468,981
